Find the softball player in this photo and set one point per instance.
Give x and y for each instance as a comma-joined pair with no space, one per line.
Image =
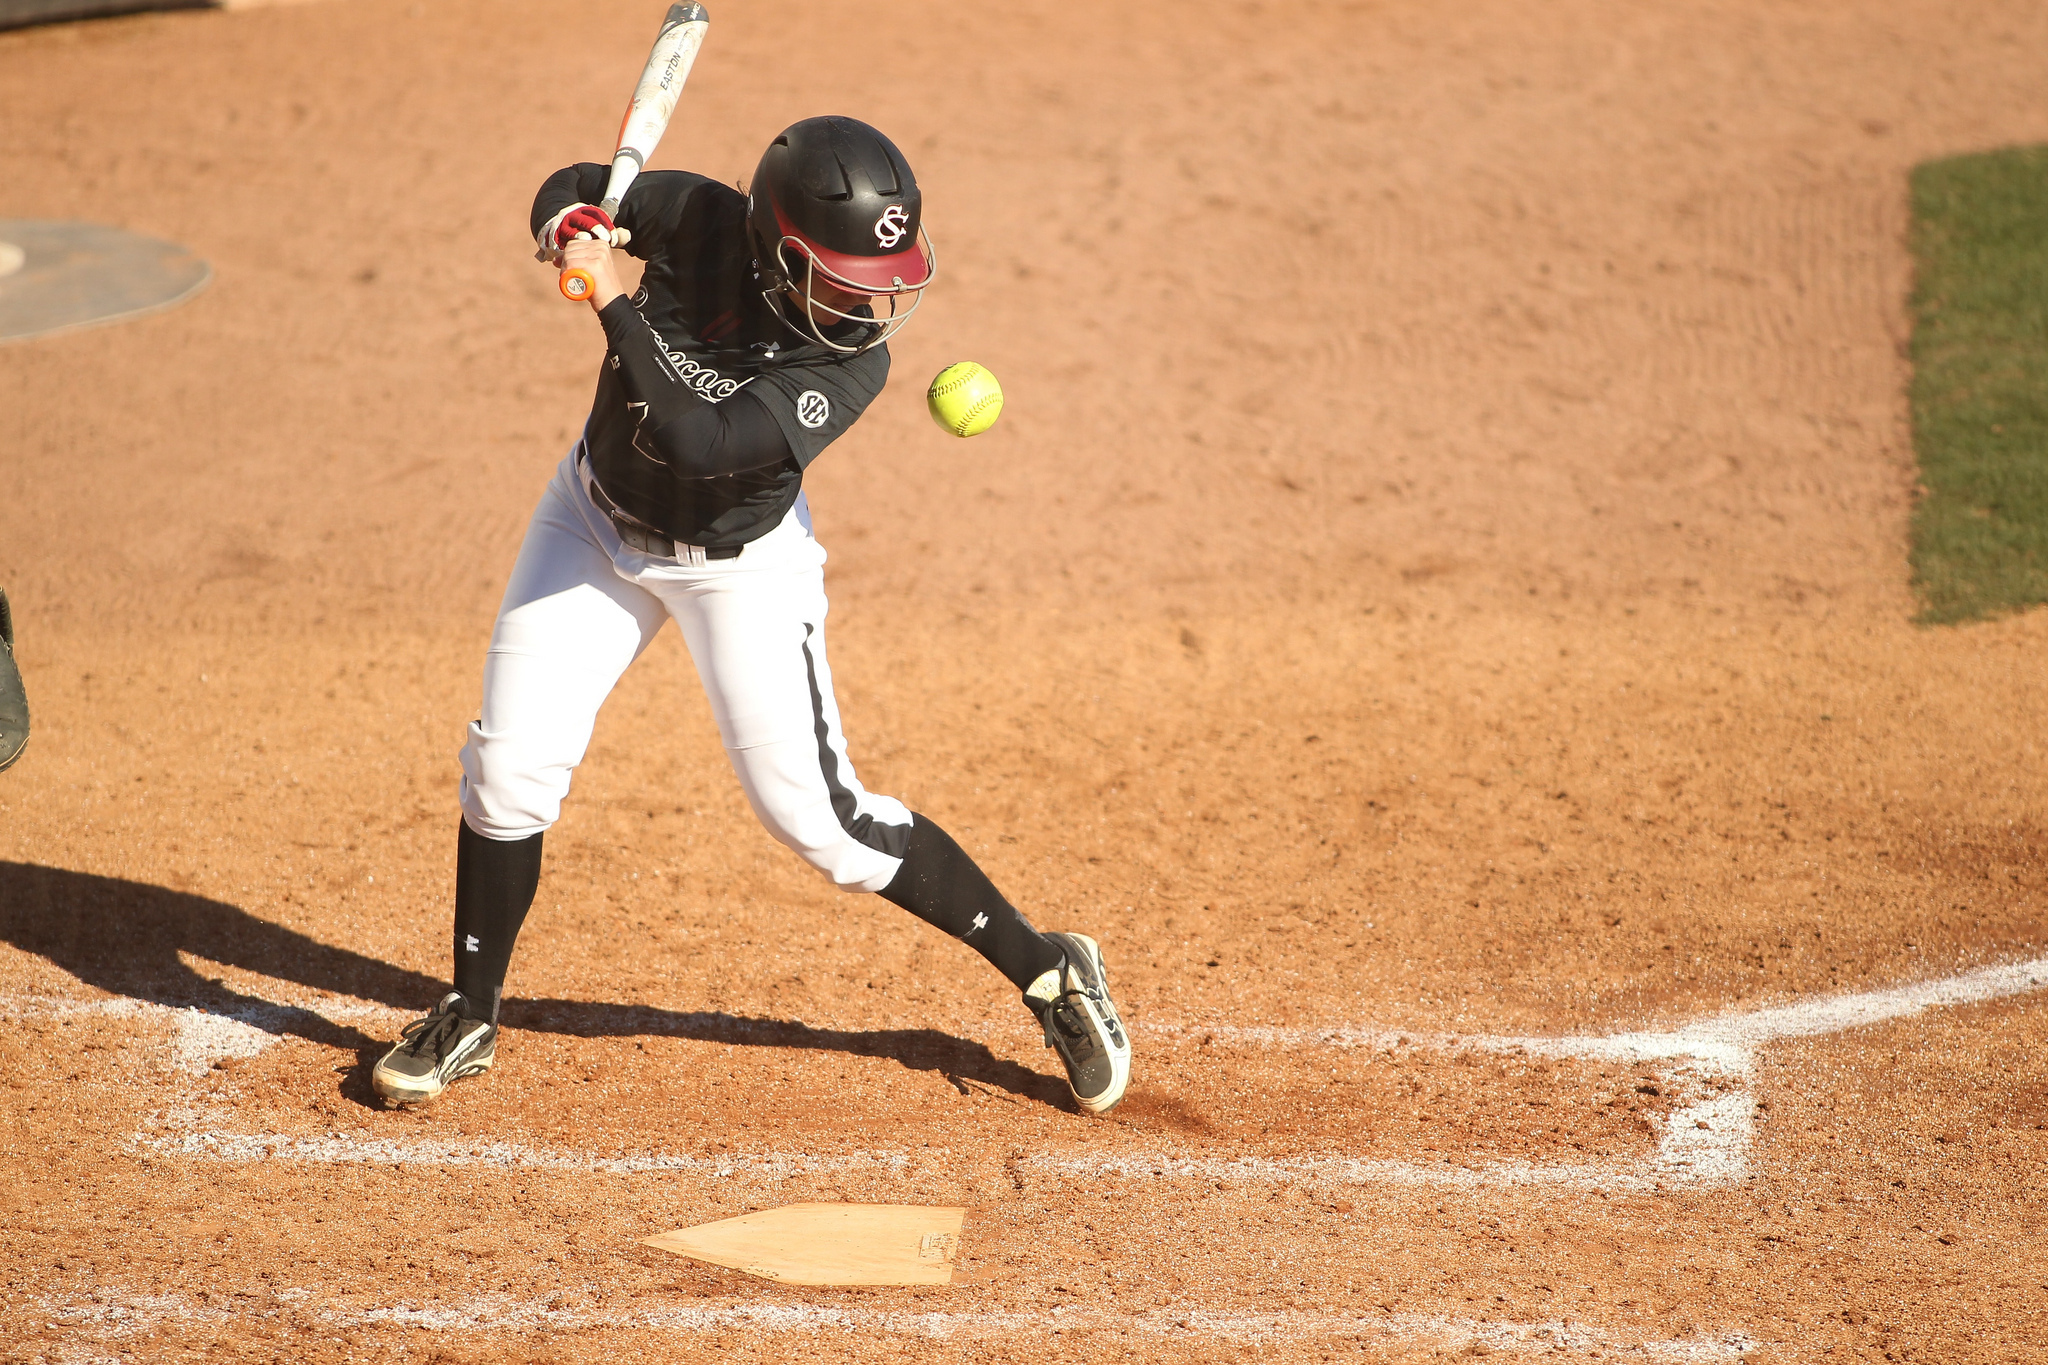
751,344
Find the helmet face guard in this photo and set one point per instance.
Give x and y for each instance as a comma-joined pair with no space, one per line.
834,203
779,281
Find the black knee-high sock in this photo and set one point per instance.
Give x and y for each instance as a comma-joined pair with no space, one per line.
942,886
494,885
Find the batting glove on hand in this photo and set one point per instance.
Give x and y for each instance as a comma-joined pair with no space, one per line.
578,220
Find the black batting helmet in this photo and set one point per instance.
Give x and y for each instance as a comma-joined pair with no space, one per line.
833,199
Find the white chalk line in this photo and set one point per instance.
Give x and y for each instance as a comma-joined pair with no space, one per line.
115,1315
244,1147
203,1037
1727,1039
1704,1143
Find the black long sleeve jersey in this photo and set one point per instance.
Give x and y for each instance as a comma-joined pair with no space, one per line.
708,408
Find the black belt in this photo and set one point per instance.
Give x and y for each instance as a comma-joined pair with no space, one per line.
646,539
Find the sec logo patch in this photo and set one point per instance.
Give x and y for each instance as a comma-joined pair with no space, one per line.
813,409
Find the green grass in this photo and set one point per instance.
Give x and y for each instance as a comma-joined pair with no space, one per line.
1980,384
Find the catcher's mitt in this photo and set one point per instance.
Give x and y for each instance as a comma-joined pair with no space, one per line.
13,701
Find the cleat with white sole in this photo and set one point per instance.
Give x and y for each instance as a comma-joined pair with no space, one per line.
1081,1023
434,1052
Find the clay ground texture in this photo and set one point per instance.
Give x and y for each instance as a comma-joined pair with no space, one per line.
1434,606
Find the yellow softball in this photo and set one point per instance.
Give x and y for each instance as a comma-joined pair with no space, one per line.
965,399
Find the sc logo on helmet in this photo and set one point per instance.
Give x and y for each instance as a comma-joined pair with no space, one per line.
891,226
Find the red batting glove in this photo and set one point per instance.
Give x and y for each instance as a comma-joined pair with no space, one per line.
581,219
578,220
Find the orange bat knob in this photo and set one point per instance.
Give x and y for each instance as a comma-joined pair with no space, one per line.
577,285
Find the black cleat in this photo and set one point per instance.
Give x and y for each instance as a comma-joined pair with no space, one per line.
435,1052
1081,1024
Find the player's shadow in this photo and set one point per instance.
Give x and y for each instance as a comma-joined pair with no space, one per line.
133,939
918,1049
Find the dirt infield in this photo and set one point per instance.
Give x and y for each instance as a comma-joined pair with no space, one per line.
1434,608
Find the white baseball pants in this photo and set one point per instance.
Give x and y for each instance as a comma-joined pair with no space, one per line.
581,606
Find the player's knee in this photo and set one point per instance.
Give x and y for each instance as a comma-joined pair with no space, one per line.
820,840
852,866
508,791
836,827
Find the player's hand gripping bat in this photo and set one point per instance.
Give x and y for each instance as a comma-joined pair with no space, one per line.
647,116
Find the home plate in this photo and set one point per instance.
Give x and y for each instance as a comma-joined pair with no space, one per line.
840,1244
